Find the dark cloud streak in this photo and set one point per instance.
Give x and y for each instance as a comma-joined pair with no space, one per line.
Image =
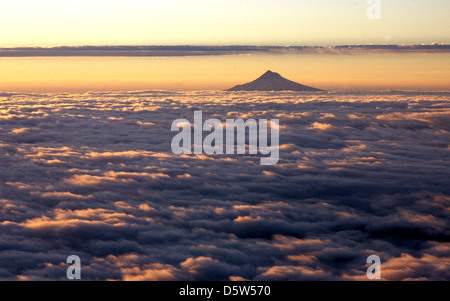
152,51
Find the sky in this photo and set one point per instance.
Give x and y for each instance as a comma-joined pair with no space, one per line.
342,73
213,22
49,23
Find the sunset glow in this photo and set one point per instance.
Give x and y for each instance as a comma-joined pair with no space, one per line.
420,72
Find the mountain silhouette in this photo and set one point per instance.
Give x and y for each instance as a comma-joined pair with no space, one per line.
272,81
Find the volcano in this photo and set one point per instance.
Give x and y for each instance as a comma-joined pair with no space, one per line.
272,81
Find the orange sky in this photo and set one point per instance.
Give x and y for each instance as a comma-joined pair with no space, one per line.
232,22
429,72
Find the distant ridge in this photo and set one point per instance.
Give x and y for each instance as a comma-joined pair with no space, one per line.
272,81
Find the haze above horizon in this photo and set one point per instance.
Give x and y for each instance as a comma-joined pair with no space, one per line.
212,22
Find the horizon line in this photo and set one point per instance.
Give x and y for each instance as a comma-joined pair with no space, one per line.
4,93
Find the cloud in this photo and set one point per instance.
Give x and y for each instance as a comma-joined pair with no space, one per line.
149,272
93,175
321,126
152,51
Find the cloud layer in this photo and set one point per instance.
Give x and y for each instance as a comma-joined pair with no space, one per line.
93,175
150,51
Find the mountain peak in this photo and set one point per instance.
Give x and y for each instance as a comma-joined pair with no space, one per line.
272,81
269,73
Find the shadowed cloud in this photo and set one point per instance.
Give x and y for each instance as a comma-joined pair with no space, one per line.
93,175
